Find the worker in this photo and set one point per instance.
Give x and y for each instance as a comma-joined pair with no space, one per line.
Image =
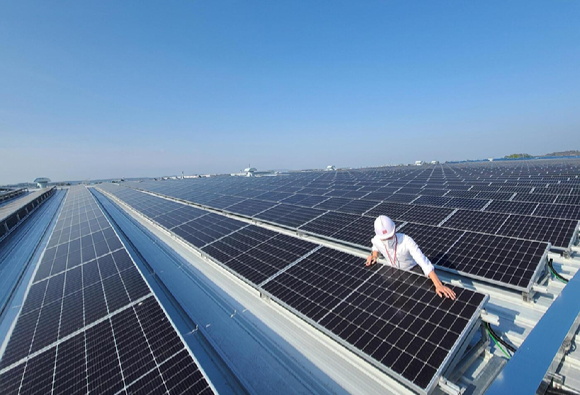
402,252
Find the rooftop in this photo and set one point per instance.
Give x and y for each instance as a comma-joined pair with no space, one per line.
264,281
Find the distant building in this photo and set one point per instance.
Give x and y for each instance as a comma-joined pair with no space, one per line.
42,182
434,162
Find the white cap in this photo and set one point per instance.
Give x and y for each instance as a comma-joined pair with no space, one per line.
384,227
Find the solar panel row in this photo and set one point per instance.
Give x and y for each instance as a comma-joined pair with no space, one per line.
89,322
390,317
514,270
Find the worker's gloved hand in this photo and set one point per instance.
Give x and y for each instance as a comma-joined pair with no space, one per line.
371,260
442,290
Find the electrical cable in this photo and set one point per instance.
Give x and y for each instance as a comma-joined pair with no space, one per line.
555,273
499,339
498,345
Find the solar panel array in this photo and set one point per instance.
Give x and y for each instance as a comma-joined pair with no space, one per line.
90,322
471,198
390,317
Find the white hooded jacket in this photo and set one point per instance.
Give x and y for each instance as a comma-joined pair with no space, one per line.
408,253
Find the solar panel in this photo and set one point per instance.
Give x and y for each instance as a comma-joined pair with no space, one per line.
357,206
510,262
432,200
390,317
312,201
392,210
95,327
433,241
470,204
333,204
476,221
561,199
564,211
224,201
558,232
251,207
257,260
289,215
426,215
402,198
499,259
534,197
502,206
208,228
329,223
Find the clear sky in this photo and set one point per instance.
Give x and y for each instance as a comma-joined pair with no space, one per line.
143,88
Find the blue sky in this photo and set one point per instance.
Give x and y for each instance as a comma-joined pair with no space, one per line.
135,88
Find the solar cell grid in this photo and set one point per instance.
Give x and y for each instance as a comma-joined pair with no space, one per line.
502,206
562,199
535,198
251,207
433,241
392,210
558,232
476,221
426,215
318,283
379,311
396,319
99,303
333,204
378,196
329,223
470,204
224,201
256,260
564,211
501,259
357,206
432,200
402,198
433,192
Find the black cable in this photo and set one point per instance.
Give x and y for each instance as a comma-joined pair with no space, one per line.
499,339
554,272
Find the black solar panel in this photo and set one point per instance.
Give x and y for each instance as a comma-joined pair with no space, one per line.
502,206
433,241
439,201
251,207
357,206
290,215
534,197
558,232
208,228
257,260
470,204
93,327
476,221
329,223
426,215
402,198
564,211
507,261
391,317
392,210
333,204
